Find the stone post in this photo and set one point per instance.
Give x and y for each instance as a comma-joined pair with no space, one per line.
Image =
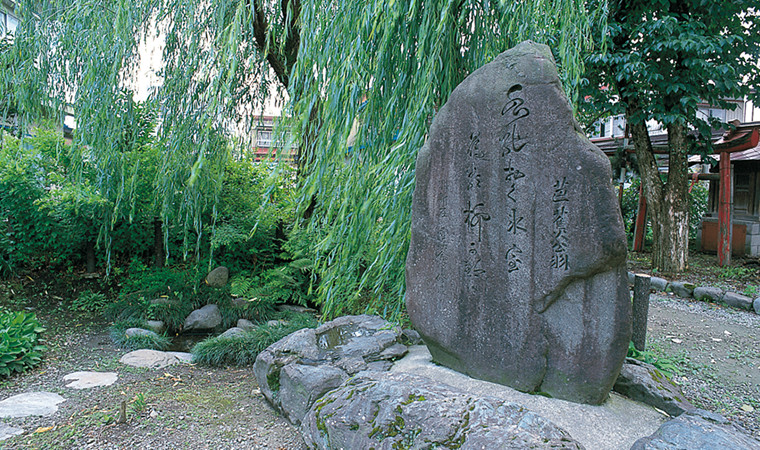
640,310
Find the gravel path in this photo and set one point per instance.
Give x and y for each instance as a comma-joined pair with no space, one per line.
718,351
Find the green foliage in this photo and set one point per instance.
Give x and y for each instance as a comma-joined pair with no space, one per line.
150,341
241,350
19,342
91,302
666,365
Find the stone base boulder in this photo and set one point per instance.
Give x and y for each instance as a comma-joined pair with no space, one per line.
218,277
692,431
205,318
396,410
295,371
645,383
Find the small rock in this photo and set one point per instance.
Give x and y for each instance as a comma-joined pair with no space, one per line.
410,337
737,300
245,324
274,323
205,318
747,408
709,294
682,289
756,305
691,431
218,277
296,309
153,414
152,359
658,284
86,380
30,404
132,332
232,332
163,301
155,326
645,383
7,431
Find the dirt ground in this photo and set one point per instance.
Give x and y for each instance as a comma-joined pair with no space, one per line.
188,406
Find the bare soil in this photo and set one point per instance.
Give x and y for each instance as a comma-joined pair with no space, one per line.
190,406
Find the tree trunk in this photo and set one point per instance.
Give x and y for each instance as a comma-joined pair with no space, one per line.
668,202
158,243
90,254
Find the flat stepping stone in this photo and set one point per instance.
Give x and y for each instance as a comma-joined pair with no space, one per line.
87,380
30,404
183,357
7,431
152,359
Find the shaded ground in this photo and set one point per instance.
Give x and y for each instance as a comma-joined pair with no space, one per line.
197,407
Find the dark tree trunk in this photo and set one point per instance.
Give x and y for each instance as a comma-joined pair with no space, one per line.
90,254
158,243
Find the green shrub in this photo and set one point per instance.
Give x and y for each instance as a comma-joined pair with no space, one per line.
152,341
242,350
19,342
91,302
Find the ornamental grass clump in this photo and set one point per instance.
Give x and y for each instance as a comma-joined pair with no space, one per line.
19,342
242,349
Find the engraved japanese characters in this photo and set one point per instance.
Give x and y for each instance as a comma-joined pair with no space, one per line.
516,268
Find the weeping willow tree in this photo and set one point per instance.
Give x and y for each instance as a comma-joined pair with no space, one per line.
378,68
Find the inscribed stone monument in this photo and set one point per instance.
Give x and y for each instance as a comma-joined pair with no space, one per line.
516,268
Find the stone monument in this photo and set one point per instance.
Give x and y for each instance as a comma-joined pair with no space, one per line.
516,268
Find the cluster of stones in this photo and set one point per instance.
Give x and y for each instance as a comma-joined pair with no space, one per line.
685,289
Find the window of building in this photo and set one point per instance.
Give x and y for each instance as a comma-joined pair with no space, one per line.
264,138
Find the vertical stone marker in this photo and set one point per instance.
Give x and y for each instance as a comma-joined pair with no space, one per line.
516,268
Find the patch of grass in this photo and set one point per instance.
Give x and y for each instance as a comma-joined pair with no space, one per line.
665,365
242,350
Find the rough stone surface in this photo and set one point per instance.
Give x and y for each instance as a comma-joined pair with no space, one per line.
232,332
395,410
516,267
346,345
30,404
691,431
218,277
205,318
245,324
756,305
156,326
710,294
682,289
86,380
183,357
659,284
152,359
132,332
737,300
301,386
645,383
7,431
411,337
631,278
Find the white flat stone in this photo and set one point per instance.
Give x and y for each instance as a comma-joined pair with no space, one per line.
615,424
30,404
182,356
152,359
7,431
86,380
